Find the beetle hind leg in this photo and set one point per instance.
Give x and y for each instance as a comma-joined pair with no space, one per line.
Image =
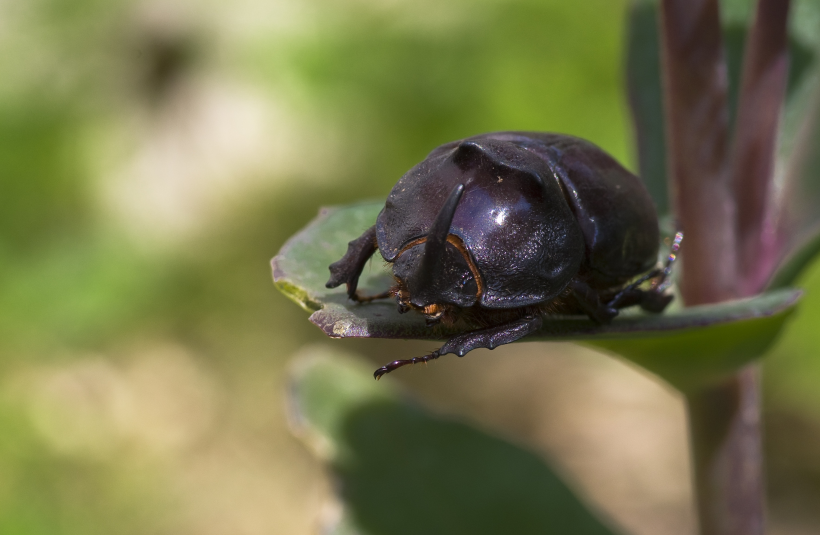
590,301
654,299
348,269
461,344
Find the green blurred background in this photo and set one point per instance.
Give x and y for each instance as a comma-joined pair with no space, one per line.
155,154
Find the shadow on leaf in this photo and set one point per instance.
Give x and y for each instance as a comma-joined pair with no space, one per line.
402,470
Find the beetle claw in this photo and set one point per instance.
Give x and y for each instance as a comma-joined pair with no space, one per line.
381,371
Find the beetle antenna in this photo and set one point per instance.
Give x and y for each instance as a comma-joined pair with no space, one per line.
437,237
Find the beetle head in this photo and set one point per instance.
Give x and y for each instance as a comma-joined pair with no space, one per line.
436,272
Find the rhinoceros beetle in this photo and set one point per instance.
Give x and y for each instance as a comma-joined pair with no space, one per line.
500,229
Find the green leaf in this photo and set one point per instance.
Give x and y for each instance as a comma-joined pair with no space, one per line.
793,265
402,470
685,346
720,340
799,224
643,76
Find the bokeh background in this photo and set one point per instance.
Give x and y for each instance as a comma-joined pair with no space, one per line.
155,154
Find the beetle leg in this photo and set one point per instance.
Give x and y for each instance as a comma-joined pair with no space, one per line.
387,368
488,338
590,301
631,294
649,300
350,266
654,299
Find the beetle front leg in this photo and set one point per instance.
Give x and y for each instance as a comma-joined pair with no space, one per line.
488,338
348,269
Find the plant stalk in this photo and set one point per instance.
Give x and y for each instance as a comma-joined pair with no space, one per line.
695,85
724,423
725,253
762,90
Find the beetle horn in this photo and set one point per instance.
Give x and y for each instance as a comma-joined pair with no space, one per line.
437,237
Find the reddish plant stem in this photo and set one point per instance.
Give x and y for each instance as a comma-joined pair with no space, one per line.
724,422
724,419
763,86
697,123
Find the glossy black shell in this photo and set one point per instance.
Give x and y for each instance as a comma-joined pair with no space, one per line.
538,209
